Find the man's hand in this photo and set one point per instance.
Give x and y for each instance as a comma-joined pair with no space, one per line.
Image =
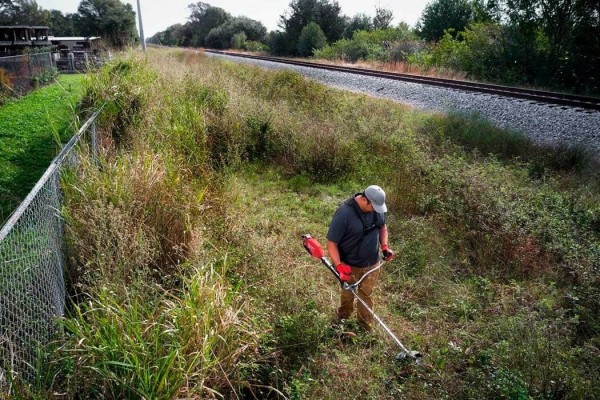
344,271
388,255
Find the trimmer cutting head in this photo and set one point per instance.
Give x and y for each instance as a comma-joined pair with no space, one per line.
410,356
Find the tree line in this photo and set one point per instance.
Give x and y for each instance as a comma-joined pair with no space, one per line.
553,44
546,43
214,27
112,20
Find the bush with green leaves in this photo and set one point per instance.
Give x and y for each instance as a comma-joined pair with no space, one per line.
228,34
251,45
448,52
311,38
238,41
44,77
440,16
391,44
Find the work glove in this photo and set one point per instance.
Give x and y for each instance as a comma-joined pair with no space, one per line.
344,271
388,255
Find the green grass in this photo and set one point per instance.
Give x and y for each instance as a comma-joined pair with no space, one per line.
29,129
209,172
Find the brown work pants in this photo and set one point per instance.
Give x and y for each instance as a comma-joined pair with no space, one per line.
364,291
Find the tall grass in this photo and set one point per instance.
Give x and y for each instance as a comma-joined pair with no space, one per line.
191,281
475,134
184,343
152,313
489,220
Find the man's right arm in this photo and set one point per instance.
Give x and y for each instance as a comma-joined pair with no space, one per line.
334,253
344,271
335,234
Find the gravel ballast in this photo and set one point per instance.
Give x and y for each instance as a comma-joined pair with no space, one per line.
544,123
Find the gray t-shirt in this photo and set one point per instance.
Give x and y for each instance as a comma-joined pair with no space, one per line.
347,231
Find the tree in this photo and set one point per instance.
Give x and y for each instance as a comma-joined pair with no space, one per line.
221,36
30,13
23,12
217,38
583,62
253,29
383,18
311,38
110,19
203,19
441,15
278,43
487,10
172,36
572,29
62,25
559,20
325,13
360,22
5,7
7,12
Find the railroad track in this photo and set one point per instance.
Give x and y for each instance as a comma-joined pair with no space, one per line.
562,99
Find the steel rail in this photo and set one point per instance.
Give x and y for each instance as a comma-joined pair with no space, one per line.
542,96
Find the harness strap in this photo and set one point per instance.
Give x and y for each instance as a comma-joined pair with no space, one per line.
366,229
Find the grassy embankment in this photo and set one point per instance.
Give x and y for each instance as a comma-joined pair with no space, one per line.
190,277
30,128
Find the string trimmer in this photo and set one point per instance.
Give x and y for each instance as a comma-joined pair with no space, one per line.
314,249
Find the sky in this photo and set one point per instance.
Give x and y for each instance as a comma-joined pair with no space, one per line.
157,15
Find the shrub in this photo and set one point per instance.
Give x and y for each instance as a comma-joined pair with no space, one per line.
218,38
251,45
278,43
129,221
5,86
44,77
238,41
301,333
5,81
401,51
390,44
118,87
312,38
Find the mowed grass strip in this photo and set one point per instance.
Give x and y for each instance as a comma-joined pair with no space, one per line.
29,129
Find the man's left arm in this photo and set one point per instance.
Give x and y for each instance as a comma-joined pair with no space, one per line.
388,254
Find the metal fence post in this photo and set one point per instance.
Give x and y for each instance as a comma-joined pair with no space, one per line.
93,141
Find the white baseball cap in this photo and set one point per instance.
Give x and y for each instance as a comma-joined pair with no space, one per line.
376,196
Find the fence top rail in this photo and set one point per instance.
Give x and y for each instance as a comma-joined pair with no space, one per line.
13,58
16,215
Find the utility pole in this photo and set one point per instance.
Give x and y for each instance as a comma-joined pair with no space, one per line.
142,39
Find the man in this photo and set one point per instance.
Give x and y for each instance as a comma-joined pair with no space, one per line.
356,233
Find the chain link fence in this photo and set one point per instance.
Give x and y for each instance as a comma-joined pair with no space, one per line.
17,73
32,261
